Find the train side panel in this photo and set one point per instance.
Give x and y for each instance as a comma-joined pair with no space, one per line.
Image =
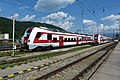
44,38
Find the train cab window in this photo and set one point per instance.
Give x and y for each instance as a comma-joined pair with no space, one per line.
68,39
49,36
54,39
65,39
95,37
38,35
28,33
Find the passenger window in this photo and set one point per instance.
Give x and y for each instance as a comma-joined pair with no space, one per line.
49,36
68,39
54,39
74,39
65,40
71,39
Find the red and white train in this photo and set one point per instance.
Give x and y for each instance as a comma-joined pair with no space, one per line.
37,38
99,39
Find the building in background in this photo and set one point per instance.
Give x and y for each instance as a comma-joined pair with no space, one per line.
4,36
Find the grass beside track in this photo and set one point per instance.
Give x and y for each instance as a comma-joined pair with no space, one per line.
3,54
5,64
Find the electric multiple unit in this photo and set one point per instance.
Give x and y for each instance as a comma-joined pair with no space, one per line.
99,39
37,38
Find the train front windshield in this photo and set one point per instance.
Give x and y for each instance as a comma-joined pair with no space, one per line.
28,33
95,37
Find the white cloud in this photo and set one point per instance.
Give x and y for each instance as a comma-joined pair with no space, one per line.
23,7
28,18
115,26
111,17
60,19
89,22
102,29
56,16
16,15
96,29
66,25
90,30
51,5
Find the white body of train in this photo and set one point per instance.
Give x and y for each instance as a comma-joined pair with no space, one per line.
37,38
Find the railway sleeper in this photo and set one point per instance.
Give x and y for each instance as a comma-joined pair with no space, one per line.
86,68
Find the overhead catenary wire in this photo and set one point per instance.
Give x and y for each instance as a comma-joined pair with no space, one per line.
52,3
12,4
92,14
101,8
32,6
15,5
21,1
82,15
82,10
57,5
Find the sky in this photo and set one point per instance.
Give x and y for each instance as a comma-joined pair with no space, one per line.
83,16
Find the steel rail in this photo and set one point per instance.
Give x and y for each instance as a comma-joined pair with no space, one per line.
106,49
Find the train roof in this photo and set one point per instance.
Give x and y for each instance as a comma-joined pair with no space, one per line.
52,31
55,30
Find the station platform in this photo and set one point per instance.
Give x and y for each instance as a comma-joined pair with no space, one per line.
110,69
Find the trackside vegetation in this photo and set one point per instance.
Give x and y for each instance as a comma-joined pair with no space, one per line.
4,64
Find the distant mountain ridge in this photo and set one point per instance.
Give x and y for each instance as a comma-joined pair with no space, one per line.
21,26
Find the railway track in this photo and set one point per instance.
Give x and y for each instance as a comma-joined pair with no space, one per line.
35,70
83,68
8,49
31,58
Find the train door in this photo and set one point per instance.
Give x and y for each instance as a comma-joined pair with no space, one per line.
77,41
60,41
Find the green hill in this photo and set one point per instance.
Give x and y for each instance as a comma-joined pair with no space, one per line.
21,26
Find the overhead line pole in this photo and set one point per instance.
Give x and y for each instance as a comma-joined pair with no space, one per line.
119,25
13,36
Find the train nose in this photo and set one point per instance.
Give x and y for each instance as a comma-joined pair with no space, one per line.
25,40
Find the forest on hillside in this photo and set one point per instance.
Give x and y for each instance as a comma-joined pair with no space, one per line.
21,26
